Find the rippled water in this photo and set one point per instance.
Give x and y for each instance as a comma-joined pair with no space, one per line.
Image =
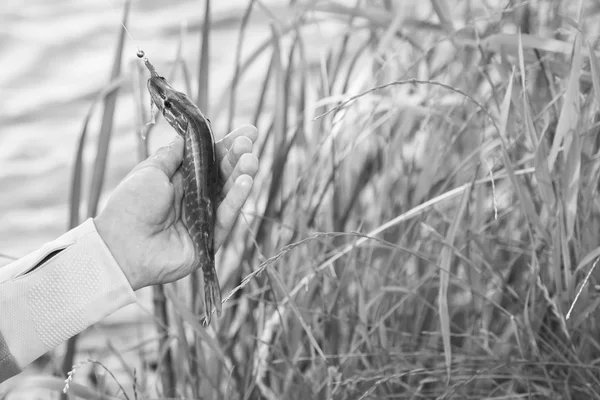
54,56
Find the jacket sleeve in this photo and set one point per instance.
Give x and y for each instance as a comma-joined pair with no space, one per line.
56,292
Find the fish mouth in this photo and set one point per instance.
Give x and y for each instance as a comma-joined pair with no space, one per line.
151,68
157,86
157,92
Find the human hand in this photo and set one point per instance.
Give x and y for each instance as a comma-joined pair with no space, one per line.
142,225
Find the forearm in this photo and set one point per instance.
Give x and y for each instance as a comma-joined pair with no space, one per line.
44,301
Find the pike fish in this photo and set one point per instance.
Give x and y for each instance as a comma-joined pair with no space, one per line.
200,178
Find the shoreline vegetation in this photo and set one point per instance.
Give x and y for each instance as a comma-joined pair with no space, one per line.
424,220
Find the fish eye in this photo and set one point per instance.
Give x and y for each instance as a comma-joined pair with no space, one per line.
167,104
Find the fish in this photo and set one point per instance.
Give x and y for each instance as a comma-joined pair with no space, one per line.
200,179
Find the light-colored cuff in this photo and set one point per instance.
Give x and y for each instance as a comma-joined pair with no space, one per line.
41,306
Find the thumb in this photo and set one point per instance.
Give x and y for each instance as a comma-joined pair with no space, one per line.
168,158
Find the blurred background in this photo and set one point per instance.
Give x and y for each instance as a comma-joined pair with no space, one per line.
424,219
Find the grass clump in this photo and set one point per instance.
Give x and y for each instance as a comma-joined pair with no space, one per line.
425,239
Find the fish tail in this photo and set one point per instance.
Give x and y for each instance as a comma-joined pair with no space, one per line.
212,293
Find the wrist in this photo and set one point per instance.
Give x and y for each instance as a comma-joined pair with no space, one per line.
110,233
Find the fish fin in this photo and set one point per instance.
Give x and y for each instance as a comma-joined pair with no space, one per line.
212,296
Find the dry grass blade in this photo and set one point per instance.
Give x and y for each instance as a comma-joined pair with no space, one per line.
443,13
508,41
446,261
180,61
75,193
524,200
238,56
107,122
542,171
188,316
161,313
591,256
585,280
556,267
586,313
250,60
290,301
567,128
203,62
595,71
259,111
388,36
278,135
335,66
567,122
542,174
526,108
571,177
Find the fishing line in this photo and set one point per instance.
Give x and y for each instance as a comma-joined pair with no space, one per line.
140,53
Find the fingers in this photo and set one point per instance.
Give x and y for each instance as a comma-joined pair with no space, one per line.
246,164
230,208
223,145
177,181
241,145
167,158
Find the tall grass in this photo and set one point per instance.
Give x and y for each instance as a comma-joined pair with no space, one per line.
424,215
